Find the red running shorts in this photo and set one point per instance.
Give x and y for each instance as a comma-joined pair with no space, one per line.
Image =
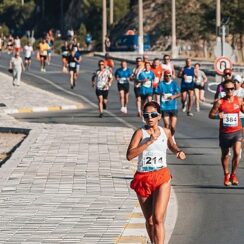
145,183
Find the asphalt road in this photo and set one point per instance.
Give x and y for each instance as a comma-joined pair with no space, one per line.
209,213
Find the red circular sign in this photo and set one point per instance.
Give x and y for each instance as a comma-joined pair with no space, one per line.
222,63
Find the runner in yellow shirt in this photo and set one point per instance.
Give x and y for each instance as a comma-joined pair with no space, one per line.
43,48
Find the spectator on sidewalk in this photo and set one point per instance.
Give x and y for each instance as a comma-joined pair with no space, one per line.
16,66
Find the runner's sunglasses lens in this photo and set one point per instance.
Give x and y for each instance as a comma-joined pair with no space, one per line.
230,89
147,115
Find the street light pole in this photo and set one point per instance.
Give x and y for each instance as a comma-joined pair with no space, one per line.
22,2
111,10
218,20
104,32
218,13
140,37
62,15
174,53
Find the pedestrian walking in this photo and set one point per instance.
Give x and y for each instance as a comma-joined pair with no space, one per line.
16,66
228,109
152,180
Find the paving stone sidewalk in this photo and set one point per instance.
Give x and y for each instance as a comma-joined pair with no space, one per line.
26,98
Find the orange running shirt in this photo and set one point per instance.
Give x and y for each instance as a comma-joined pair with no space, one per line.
158,71
231,121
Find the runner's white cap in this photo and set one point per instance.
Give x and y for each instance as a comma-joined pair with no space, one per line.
237,78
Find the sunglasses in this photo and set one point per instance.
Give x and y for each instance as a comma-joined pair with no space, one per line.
152,115
166,59
101,64
227,74
167,76
230,89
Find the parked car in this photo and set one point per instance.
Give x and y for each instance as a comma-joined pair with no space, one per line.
130,43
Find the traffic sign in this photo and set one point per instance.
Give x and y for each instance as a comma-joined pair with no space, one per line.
222,63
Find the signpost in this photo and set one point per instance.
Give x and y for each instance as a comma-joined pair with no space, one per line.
220,64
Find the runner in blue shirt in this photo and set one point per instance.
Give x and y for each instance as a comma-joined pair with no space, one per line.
187,86
122,75
146,78
169,91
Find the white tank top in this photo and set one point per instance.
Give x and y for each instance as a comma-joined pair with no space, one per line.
154,157
167,67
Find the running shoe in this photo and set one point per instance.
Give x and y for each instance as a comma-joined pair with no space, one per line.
125,110
184,108
122,109
234,179
189,113
227,180
100,115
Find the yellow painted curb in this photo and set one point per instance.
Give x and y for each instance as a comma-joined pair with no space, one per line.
136,215
131,240
25,110
135,226
54,108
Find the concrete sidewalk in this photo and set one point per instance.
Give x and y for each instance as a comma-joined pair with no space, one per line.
67,183
26,99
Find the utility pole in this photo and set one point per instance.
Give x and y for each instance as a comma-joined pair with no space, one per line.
43,9
62,15
104,32
218,20
22,2
218,14
111,10
173,47
140,37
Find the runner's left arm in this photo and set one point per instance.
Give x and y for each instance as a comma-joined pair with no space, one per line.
180,154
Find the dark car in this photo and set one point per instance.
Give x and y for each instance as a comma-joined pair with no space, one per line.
130,43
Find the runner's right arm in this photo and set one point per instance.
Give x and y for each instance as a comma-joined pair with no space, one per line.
214,112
